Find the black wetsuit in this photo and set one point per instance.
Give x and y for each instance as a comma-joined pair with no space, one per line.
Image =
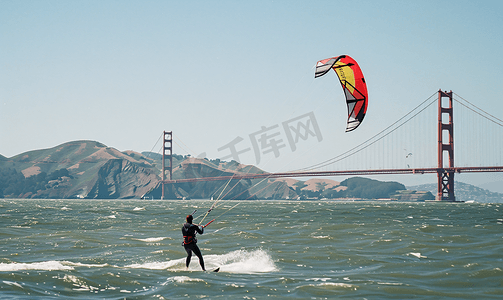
189,243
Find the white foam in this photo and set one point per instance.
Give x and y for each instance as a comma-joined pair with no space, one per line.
390,283
182,279
158,265
239,261
242,261
324,279
152,240
138,208
12,283
45,265
77,264
72,279
336,284
417,254
329,285
321,237
51,265
79,285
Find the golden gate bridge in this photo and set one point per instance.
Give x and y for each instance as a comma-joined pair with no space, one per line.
444,168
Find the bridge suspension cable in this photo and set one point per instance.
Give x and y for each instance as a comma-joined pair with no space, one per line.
478,136
478,111
379,136
151,150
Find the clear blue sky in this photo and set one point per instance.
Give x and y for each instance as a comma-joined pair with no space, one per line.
121,72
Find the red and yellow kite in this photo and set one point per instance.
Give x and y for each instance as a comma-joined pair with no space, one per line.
354,86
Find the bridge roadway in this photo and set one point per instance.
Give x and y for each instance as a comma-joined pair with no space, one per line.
340,173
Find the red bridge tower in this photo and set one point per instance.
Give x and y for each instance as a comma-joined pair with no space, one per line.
445,146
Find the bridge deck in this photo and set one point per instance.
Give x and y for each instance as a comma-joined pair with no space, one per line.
340,173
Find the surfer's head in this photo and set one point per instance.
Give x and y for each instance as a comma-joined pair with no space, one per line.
189,219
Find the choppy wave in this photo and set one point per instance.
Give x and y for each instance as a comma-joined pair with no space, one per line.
45,266
239,261
157,265
152,239
285,249
182,279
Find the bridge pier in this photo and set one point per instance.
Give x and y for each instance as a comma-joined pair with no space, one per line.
445,130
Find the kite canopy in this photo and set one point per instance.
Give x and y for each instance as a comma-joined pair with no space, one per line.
354,86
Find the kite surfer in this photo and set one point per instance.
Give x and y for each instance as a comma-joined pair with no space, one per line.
189,231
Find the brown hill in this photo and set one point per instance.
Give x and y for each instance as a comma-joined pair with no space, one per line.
88,169
87,163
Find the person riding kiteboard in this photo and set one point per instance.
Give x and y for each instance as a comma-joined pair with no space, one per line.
189,231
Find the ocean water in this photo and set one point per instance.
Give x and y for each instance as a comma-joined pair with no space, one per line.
131,249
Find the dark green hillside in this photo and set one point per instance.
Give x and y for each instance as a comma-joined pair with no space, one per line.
14,184
465,192
366,188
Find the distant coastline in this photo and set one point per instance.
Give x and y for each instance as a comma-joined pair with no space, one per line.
91,170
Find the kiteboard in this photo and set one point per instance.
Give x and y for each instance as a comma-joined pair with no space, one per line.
217,269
